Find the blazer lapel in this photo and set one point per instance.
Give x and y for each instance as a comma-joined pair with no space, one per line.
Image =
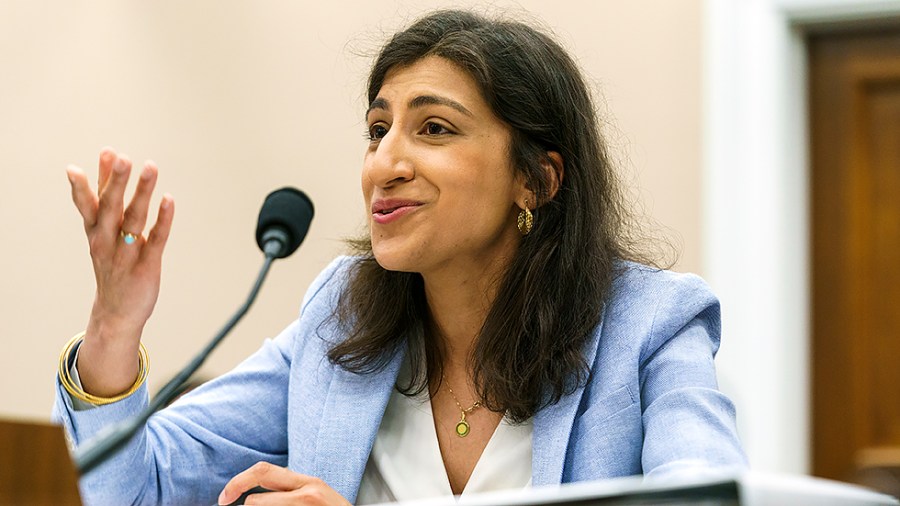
351,416
553,426
355,405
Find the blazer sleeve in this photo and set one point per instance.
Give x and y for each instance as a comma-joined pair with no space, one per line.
689,426
188,451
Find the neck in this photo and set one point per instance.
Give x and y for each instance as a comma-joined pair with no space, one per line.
459,302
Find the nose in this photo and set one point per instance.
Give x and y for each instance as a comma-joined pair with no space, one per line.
390,162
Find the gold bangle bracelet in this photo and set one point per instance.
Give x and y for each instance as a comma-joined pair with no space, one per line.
65,366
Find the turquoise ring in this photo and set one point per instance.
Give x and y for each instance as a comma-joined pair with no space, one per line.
128,237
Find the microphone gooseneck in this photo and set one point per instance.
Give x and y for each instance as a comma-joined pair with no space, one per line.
283,223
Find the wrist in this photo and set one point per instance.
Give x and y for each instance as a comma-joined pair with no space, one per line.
109,358
86,394
113,332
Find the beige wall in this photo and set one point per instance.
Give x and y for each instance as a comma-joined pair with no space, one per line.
233,99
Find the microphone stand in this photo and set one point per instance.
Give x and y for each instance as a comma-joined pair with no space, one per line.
113,438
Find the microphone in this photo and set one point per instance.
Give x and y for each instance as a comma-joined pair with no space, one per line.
283,223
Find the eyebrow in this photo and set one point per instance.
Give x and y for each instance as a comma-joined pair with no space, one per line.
420,101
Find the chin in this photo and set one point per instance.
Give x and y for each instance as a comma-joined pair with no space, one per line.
395,266
392,260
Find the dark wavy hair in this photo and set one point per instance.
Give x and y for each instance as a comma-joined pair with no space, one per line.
529,352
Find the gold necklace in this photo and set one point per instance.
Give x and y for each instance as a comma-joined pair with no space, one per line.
462,426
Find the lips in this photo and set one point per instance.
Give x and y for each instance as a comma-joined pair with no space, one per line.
389,210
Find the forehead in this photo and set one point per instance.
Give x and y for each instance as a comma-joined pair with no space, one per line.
431,76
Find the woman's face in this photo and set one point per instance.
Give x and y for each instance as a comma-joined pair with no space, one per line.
437,179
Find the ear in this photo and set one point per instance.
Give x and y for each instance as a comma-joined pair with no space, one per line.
555,169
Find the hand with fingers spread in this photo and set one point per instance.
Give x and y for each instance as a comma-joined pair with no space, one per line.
285,487
127,269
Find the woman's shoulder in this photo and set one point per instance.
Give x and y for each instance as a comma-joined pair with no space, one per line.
650,305
322,297
638,283
330,282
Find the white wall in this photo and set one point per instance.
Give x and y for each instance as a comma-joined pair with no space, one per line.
755,214
233,99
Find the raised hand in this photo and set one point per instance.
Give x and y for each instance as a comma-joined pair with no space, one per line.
127,269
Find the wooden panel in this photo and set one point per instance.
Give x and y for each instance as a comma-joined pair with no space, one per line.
855,127
882,114
35,467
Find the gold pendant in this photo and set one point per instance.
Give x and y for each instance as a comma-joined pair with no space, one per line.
462,428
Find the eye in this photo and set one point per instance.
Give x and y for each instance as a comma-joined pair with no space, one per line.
376,132
432,128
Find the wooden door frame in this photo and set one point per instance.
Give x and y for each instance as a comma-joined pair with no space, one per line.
756,223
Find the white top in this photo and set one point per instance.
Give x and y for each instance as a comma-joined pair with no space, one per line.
405,463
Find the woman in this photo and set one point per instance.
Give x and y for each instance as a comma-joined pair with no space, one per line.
492,331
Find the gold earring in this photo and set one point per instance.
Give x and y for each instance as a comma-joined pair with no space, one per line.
525,220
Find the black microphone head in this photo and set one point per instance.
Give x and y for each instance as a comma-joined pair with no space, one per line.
285,217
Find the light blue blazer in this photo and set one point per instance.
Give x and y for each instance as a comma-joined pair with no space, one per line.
650,406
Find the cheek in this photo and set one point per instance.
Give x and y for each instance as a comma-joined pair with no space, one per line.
478,213
488,190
